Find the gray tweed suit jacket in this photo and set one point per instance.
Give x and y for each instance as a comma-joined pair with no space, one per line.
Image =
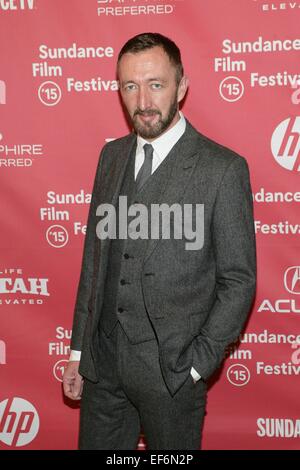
197,301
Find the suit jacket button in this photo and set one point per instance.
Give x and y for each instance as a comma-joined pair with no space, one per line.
120,309
122,282
126,256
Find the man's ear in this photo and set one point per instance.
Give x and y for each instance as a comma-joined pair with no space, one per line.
182,88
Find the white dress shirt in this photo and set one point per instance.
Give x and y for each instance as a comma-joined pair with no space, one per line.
162,147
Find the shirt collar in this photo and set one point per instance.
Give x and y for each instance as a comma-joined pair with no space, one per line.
164,143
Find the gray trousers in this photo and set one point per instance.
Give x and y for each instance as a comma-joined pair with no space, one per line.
131,395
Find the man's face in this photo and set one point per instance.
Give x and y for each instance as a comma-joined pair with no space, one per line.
150,92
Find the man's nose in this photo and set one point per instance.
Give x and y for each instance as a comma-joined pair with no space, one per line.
144,99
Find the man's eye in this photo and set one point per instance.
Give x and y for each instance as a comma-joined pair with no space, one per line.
156,86
130,87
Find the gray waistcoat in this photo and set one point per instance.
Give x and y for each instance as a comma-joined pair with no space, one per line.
123,296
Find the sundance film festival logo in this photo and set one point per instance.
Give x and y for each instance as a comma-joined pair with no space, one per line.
162,221
58,347
285,144
50,92
19,422
14,5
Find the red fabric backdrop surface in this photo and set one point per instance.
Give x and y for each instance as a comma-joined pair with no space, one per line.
59,104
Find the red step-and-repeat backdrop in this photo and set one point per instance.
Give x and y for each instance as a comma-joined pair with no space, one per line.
59,104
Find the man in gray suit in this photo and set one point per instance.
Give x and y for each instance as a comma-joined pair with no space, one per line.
154,315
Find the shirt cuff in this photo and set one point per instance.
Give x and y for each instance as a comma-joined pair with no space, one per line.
75,355
195,374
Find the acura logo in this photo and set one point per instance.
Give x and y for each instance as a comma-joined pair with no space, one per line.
292,279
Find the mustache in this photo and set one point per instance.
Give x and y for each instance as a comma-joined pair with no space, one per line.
147,112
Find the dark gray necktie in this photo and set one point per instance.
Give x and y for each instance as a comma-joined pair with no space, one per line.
146,168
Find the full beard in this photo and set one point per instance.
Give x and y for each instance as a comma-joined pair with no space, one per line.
149,130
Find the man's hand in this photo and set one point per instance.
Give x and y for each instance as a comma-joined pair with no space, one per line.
72,381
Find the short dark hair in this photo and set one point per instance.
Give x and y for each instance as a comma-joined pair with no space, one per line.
145,41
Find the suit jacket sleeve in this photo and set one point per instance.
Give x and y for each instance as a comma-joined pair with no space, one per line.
87,267
233,239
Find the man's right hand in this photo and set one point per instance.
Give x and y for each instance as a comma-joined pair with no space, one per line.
72,381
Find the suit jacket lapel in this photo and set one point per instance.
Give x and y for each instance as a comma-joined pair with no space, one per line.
186,154
117,171
113,184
